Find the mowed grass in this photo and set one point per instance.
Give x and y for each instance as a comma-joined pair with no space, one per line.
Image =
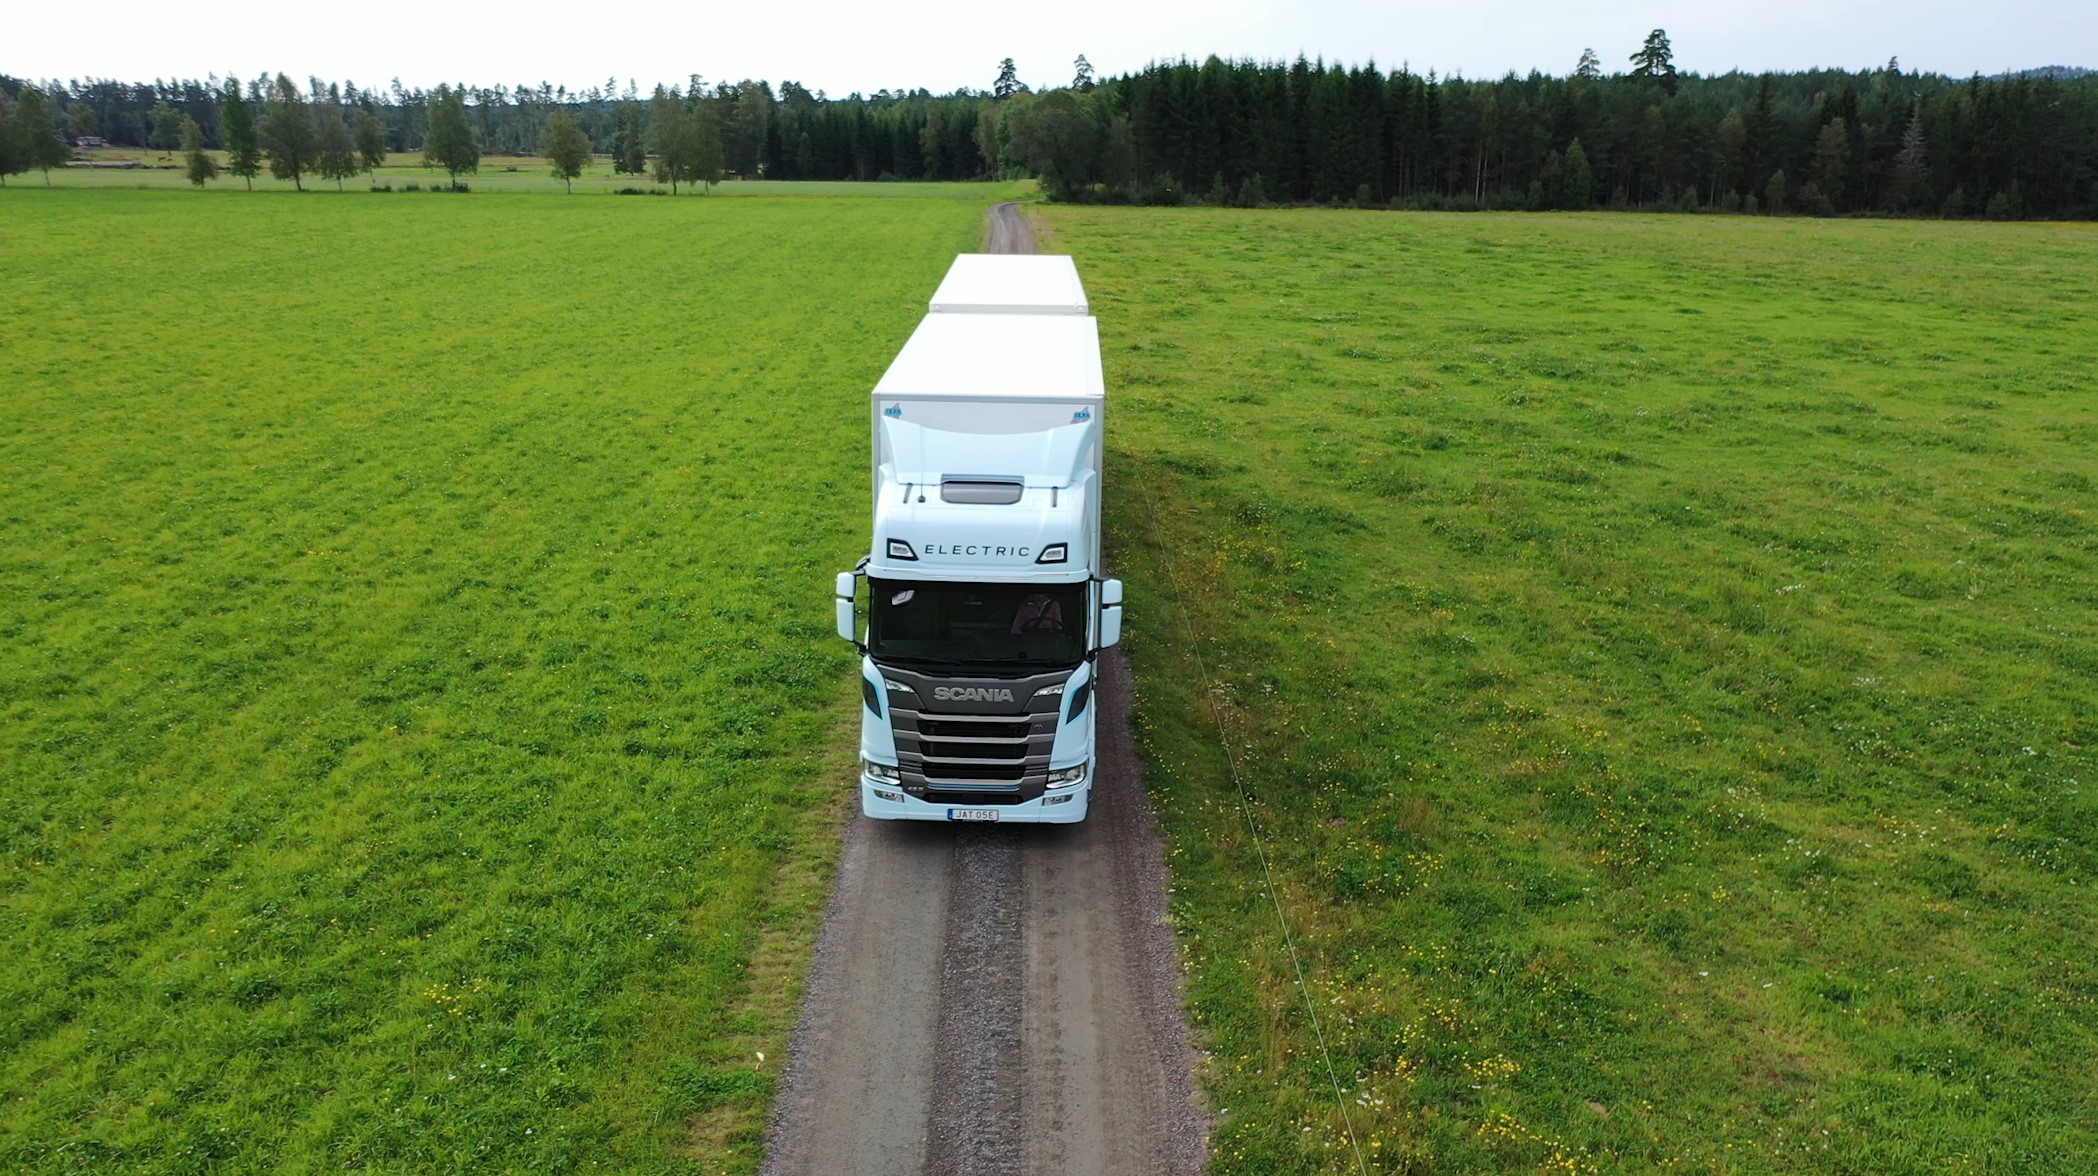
131,169
1662,656
421,736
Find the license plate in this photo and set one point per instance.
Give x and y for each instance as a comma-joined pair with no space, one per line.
956,814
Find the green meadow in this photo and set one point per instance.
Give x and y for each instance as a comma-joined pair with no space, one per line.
1658,654
1660,657
422,743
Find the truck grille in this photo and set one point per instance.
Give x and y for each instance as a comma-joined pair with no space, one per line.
971,750
955,747
975,758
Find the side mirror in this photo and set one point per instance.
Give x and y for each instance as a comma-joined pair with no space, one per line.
1110,592
1110,626
848,584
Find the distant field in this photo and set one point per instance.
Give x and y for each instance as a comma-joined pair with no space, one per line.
1663,657
419,719
154,171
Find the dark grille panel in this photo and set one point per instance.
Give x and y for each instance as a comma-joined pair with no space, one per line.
1001,773
968,796
954,728
954,749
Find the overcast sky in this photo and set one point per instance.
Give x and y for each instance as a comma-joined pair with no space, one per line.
843,45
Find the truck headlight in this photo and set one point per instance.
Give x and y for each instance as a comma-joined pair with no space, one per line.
875,771
1065,777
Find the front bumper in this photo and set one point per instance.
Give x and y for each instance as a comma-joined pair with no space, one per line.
1063,806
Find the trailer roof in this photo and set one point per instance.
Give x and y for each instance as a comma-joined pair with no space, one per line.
1011,283
989,356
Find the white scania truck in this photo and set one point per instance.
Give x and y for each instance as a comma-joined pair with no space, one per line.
984,611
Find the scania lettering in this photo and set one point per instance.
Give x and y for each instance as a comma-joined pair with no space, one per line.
970,694
980,612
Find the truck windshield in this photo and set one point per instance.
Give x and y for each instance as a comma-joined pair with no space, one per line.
978,624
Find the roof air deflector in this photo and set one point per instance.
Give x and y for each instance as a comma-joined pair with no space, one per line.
981,491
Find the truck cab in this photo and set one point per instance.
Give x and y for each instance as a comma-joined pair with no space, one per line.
980,611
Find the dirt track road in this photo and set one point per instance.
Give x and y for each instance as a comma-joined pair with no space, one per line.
1010,232
998,1000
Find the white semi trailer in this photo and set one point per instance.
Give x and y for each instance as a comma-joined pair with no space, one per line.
985,611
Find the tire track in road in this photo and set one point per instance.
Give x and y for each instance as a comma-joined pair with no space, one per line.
1010,232
980,1075
998,1001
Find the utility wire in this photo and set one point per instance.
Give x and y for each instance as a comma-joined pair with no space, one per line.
1245,808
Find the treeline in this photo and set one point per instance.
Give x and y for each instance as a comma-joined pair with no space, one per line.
1249,133
790,133
1826,141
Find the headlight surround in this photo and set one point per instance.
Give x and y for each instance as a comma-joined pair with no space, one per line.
1066,777
886,772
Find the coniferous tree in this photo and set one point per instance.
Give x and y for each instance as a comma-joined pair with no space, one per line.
744,114
1832,161
2008,204
1655,61
1590,66
371,144
198,163
671,138
1774,193
237,125
629,150
450,143
1082,76
1911,164
1761,127
1652,156
1580,177
287,133
703,143
1008,83
567,148
335,152
1731,155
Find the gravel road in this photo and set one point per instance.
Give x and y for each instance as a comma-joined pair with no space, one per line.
1010,232
998,1000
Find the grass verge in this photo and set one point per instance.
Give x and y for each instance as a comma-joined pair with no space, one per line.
419,735
1659,656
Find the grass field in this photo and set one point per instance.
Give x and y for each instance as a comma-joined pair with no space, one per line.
1660,653
126,169
421,737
